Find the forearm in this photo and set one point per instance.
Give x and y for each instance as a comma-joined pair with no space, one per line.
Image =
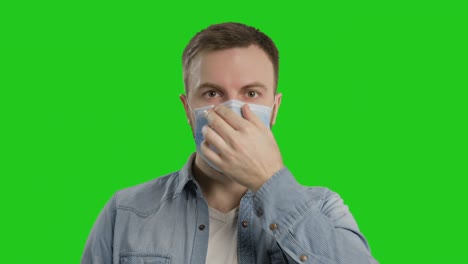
309,224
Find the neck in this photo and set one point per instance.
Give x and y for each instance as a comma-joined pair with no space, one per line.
221,192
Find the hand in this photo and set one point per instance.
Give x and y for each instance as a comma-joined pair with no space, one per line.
248,152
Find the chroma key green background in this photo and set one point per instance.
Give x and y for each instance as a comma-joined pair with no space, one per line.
374,107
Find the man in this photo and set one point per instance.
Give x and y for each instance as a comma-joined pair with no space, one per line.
234,201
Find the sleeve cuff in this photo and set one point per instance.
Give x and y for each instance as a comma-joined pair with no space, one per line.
280,202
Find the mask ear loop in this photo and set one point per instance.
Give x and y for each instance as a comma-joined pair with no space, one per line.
274,102
272,111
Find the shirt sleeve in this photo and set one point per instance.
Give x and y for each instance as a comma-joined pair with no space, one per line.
98,248
310,225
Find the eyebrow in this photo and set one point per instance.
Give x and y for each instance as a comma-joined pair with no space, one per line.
208,85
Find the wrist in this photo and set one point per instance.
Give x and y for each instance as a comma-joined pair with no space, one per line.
256,186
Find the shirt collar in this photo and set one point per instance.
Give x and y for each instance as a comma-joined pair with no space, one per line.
185,175
186,178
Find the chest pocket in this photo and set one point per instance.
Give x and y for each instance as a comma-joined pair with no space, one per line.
143,258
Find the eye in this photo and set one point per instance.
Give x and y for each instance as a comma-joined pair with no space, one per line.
211,94
252,94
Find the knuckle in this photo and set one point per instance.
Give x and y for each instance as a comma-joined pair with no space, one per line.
220,109
215,124
234,145
208,135
203,146
237,146
247,129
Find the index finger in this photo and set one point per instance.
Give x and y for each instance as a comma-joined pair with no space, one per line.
234,120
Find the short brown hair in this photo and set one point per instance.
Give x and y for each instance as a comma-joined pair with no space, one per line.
224,36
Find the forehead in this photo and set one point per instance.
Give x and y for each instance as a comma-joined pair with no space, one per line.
233,67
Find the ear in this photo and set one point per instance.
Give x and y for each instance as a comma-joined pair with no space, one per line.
183,99
275,108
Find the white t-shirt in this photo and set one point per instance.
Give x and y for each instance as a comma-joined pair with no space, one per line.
222,242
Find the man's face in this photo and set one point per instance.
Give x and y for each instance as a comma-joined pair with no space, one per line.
245,74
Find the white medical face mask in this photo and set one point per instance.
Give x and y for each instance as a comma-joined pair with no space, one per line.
263,112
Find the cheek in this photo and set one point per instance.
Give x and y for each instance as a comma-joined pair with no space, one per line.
191,119
192,125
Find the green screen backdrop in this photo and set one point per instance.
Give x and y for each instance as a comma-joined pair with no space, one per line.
374,108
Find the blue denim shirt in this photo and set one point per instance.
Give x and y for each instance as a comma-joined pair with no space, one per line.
166,221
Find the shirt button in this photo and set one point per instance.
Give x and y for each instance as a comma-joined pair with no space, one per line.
303,258
201,227
259,212
273,226
245,223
